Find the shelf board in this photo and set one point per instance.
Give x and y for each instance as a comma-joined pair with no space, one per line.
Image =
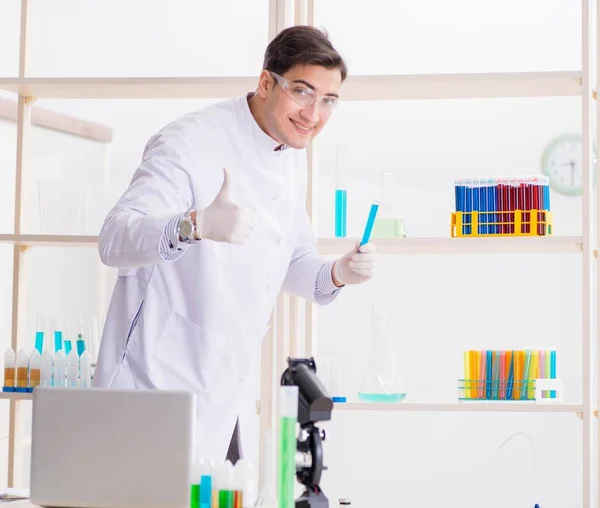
15,396
477,245
457,407
50,240
130,88
462,86
385,246
355,88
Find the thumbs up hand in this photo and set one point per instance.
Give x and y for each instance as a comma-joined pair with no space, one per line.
223,220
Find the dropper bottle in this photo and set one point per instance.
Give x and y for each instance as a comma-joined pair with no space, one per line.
35,369
10,367
22,371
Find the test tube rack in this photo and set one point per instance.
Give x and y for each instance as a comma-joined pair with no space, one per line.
501,223
519,390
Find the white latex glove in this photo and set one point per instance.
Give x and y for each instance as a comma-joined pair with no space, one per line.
357,266
223,220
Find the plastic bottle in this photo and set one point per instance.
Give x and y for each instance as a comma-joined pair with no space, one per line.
22,371
389,223
60,368
286,466
85,369
35,370
10,371
73,368
47,368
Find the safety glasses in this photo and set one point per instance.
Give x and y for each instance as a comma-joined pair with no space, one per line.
305,96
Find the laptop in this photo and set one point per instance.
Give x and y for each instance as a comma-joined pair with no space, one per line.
109,448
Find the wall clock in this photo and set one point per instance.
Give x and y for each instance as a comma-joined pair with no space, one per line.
562,164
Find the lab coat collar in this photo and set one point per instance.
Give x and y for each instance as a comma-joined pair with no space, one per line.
260,137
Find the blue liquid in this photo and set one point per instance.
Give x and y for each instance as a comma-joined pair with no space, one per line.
39,341
67,347
340,212
57,340
80,345
381,397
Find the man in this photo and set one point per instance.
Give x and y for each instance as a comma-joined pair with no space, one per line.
211,228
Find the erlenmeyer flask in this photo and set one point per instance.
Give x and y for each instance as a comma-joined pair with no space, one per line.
382,381
389,223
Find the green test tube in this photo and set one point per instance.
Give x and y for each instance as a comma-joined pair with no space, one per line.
286,464
226,498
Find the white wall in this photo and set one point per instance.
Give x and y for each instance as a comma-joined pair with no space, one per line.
441,306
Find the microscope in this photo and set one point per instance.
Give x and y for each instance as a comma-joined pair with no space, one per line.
314,405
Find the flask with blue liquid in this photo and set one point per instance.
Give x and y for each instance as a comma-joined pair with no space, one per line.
382,381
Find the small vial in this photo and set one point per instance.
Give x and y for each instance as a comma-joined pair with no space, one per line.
73,369
85,370
47,367
22,371
10,372
35,369
60,368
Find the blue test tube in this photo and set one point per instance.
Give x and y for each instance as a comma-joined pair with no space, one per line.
370,221
341,192
58,334
39,334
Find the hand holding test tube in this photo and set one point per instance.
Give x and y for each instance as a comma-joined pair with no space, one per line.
358,265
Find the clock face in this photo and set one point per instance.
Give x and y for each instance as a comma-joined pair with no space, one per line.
562,163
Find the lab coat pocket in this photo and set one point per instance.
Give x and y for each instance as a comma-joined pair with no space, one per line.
187,356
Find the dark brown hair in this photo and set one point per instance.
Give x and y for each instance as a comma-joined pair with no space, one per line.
302,45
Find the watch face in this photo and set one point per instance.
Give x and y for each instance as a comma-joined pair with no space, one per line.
186,228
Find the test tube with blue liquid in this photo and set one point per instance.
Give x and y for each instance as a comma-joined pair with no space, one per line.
59,327
39,334
341,191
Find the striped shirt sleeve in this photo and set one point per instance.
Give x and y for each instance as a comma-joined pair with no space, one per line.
170,248
324,285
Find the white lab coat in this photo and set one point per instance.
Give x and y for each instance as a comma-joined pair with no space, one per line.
195,322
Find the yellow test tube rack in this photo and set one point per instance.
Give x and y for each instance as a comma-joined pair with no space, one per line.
501,223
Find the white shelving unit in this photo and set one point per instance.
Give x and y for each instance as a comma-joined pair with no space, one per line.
283,338
284,335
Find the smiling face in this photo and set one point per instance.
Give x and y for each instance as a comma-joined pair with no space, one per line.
288,114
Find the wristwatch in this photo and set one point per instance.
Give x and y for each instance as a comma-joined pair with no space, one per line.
187,229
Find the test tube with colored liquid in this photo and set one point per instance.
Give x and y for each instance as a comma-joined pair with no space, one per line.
59,326
286,449
39,334
341,191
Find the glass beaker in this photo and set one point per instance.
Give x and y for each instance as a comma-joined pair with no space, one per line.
382,381
389,223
